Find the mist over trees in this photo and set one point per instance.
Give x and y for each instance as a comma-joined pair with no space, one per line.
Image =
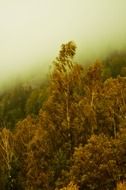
68,133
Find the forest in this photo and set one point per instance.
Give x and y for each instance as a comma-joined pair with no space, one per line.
69,132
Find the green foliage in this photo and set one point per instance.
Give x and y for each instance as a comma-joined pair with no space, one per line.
115,64
20,101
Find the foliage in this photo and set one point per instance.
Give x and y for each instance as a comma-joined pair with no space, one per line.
121,186
94,166
115,64
70,186
68,133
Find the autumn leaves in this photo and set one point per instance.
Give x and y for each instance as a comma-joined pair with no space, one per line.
78,138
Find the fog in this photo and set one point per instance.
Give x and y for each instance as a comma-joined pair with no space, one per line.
31,32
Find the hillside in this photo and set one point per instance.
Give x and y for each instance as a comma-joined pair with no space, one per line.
67,132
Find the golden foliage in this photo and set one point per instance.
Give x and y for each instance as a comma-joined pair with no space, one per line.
79,135
121,186
71,186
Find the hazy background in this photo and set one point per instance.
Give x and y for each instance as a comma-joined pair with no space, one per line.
31,31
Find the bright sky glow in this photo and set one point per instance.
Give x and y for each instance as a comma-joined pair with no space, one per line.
33,30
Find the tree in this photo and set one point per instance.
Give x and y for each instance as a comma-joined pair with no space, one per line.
110,106
7,156
114,64
23,134
94,166
71,186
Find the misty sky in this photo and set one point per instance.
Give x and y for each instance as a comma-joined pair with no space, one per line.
31,31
